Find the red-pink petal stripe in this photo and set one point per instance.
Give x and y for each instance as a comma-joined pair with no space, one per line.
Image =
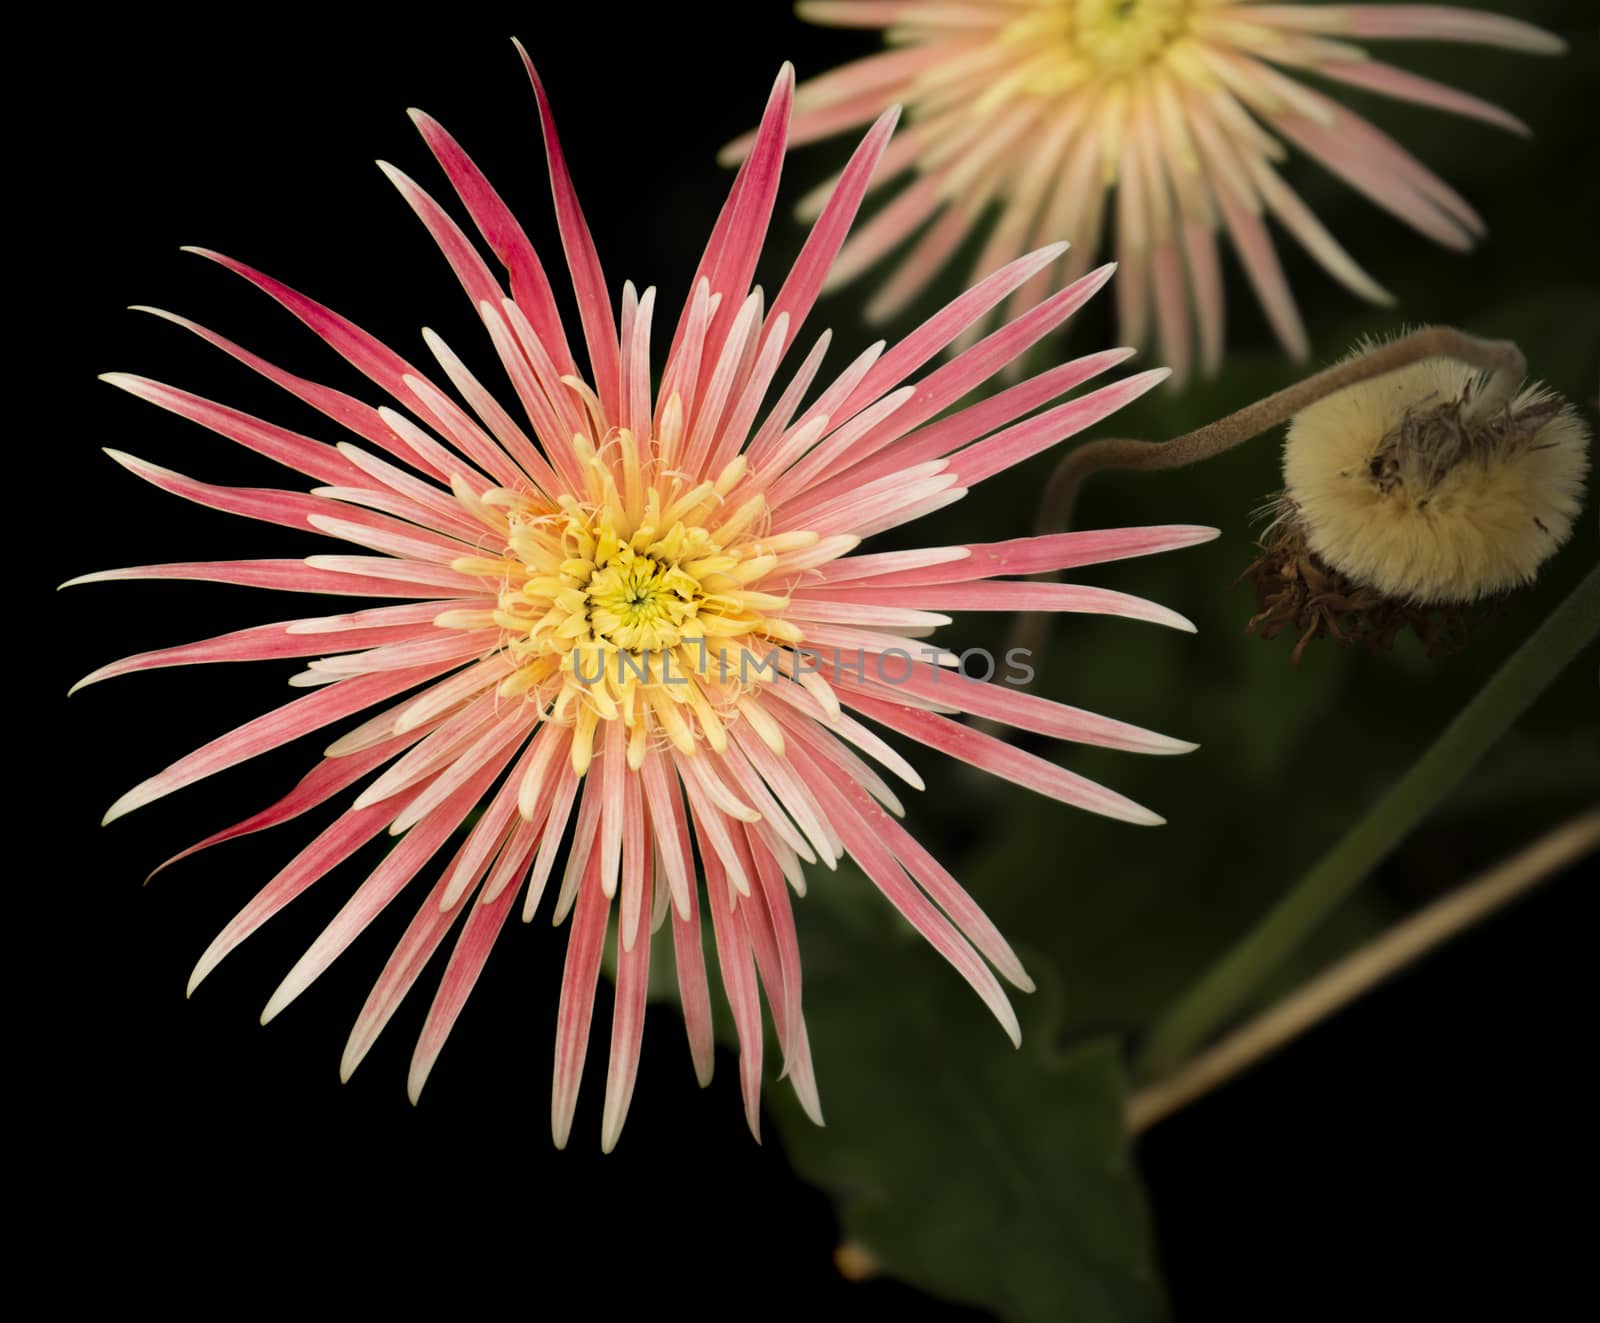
945,385
588,280
940,438
693,991
472,948
422,937
584,946
799,292
627,1027
1001,759
1010,595
530,286
290,449
259,643
999,702
334,844
349,412
1023,440
320,784
732,261
284,575
854,815
385,882
370,356
317,709
950,896
732,941
944,326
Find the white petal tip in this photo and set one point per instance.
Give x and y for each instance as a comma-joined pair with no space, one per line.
275,1007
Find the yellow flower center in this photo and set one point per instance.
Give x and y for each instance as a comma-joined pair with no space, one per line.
1073,42
1121,36
637,601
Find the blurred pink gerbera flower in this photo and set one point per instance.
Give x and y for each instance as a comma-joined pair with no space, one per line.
632,621
1044,107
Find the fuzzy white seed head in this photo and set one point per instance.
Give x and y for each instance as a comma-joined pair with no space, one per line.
1431,486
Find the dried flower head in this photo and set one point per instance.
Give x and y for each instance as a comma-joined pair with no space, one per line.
1431,485
1413,496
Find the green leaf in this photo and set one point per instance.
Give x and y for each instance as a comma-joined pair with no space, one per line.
977,1172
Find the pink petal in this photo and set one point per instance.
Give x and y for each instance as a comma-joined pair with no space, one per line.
422,937
584,946
316,458
999,702
583,262
799,292
945,325
1023,440
285,575
1038,555
1009,595
362,419
530,286
940,438
386,882
627,1028
854,814
334,844
472,948
1413,22
259,643
317,709
1376,76
1001,759
320,784
369,355
738,982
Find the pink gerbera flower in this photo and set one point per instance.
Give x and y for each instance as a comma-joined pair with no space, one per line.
1043,108
631,630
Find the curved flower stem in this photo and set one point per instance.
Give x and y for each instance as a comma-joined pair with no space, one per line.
1360,972
1441,768
1500,357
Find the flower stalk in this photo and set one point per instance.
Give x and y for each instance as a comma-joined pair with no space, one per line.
1363,970
1229,984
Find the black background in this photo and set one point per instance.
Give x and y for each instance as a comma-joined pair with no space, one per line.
180,1144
